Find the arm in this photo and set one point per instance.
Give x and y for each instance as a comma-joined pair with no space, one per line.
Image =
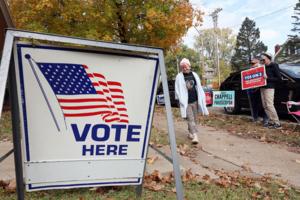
277,76
177,89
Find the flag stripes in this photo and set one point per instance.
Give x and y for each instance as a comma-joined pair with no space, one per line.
82,93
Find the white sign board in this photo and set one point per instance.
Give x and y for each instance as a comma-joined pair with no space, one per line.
86,115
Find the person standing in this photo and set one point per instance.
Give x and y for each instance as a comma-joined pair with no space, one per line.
191,97
255,98
267,92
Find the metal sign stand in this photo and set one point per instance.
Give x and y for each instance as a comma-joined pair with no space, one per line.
4,68
16,132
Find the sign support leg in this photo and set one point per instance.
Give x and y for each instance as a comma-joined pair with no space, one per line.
176,169
16,132
139,190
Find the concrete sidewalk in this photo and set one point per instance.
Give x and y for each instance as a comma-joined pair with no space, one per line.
222,150
7,169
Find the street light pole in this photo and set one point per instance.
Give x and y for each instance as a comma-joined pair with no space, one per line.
214,16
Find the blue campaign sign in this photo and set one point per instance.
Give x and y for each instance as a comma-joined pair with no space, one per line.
223,98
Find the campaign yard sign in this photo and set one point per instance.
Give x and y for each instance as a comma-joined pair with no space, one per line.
85,115
223,98
253,78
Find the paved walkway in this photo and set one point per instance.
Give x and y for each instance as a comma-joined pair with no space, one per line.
222,150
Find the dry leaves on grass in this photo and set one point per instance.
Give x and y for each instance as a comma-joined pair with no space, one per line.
9,185
156,182
228,179
189,176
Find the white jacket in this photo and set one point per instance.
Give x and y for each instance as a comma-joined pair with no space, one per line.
181,93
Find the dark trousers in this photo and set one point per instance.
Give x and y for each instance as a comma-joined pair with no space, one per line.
256,104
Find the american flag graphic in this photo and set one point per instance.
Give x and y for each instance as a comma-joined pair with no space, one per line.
82,93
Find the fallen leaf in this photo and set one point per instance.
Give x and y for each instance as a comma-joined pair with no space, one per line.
182,149
3,183
11,187
297,161
174,190
152,159
263,139
247,168
188,175
257,185
153,185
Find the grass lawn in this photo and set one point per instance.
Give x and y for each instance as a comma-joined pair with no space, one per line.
5,126
193,190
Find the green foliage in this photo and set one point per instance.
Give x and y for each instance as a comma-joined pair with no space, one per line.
296,17
206,45
173,59
247,45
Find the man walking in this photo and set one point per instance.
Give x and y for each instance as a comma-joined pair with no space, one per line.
189,92
267,92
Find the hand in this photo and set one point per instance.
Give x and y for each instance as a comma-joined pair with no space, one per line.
265,76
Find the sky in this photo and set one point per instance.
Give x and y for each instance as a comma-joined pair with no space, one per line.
272,17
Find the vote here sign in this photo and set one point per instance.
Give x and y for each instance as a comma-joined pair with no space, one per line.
253,78
86,115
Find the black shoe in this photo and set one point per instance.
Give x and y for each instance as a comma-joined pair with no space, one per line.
267,124
275,126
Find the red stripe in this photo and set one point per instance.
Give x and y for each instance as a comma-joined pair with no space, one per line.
114,83
121,109
123,115
83,107
90,75
100,92
85,67
113,119
99,75
108,98
95,84
116,90
103,83
81,100
109,115
85,114
105,90
119,102
124,120
117,96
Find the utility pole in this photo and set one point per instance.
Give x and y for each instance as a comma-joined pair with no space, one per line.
214,16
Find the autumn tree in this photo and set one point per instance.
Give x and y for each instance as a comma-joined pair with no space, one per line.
150,22
247,44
